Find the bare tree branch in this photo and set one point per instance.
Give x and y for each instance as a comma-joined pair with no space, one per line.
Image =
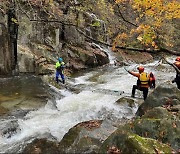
55,21
170,51
109,45
121,15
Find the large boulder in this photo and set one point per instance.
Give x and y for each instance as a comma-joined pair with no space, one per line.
86,137
161,124
88,56
25,93
165,94
41,146
39,59
122,141
26,60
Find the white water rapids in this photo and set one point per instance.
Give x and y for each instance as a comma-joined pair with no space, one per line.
86,105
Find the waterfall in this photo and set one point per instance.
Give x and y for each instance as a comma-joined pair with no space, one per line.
110,54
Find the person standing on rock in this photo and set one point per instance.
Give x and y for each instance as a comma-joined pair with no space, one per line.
60,70
152,80
144,81
176,66
177,79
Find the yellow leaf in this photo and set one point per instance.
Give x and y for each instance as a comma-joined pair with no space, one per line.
139,38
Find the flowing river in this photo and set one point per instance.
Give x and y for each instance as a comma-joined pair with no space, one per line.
99,90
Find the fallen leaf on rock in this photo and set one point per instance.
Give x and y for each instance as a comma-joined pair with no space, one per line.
113,150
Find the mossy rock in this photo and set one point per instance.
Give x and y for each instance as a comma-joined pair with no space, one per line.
147,127
165,130
41,146
157,113
116,139
140,145
80,138
125,142
69,138
165,94
124,100
86,144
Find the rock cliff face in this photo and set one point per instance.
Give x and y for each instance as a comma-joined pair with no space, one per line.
50,40
40,37
6,55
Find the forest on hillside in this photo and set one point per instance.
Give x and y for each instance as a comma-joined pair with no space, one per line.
130,24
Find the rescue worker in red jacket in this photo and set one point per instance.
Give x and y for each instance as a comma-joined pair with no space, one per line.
152,80
144,81
177,79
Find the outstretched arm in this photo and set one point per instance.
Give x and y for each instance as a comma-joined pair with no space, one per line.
132,73
173,65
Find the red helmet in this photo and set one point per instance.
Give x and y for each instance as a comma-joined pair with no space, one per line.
141,68
178,59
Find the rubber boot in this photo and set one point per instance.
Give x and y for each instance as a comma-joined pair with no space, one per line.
133,91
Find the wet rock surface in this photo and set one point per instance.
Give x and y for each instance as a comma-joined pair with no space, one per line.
166,94
9,127
124,142
42,146
157,130
22,92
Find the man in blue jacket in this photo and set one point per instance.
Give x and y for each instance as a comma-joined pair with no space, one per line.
59,70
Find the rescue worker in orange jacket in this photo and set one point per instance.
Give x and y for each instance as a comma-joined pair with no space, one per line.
144,81
177,79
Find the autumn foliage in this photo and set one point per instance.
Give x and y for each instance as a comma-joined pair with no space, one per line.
141,23
152,16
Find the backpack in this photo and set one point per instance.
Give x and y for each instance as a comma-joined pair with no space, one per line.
144,78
